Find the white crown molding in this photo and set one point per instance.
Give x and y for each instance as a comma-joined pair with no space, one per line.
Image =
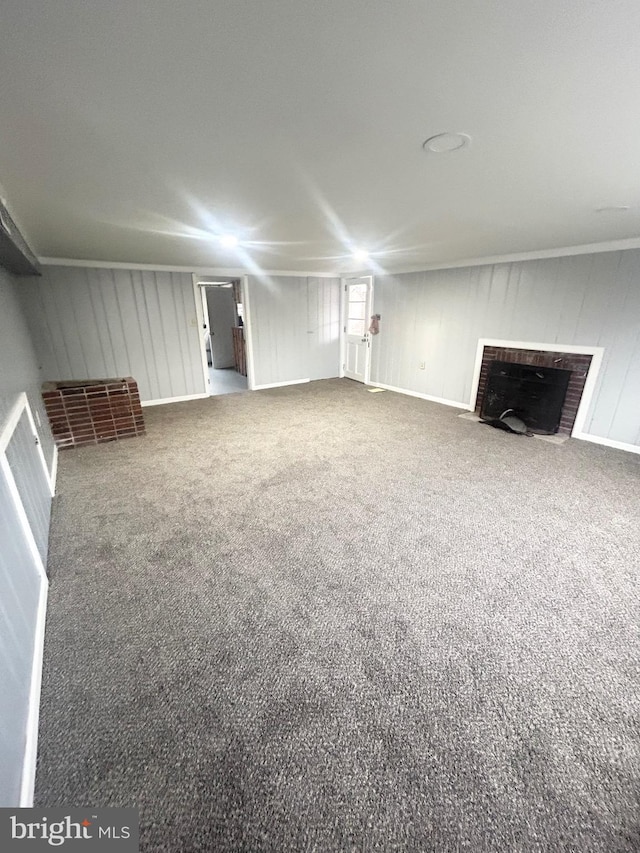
226,272
536,255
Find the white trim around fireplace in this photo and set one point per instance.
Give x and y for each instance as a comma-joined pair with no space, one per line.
596,354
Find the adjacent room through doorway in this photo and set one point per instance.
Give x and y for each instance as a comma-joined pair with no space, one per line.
223,331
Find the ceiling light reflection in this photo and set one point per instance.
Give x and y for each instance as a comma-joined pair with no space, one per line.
361,255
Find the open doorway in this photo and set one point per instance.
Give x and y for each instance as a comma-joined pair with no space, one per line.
223,333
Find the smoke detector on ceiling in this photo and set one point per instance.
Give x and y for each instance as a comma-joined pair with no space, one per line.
442,143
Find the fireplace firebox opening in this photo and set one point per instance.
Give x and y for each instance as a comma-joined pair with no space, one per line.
533,394
543,387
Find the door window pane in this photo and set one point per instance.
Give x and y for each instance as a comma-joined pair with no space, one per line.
357,292
355,327
356,310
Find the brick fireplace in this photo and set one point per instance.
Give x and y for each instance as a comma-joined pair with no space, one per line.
577,363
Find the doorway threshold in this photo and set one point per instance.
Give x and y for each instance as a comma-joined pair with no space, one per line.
226,380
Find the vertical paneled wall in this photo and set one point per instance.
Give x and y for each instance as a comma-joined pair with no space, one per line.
278,323
21,580
97,323
32,483
19,365
20,589
100,323
437,317
323,327
295,328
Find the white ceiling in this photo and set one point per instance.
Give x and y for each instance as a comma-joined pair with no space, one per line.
134,131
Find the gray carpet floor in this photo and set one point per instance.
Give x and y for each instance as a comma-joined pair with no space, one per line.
319,619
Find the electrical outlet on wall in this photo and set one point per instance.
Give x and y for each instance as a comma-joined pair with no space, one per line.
421,365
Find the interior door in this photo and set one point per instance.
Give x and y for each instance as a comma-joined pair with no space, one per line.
357,311
221,315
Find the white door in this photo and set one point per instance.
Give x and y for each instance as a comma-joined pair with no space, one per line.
357,340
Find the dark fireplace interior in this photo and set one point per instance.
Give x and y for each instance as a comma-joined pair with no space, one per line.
545,362
534,394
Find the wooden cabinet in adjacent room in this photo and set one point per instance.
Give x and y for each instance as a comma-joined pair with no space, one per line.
239,350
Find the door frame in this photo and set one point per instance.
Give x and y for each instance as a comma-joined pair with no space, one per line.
198,298
343,324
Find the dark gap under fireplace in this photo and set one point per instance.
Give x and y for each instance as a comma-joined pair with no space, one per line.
544,388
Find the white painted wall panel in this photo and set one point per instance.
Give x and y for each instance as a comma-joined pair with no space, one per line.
438,317
295,328
278,318
323,327
94,323
20,581
20,585
31,481
19,365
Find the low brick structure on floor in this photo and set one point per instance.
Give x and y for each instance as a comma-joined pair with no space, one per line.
93,411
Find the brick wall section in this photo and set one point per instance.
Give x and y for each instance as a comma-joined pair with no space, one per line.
578,364
93,412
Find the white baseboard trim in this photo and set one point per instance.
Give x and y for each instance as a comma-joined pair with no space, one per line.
582,436
280,384
163,400
607,442
31,746
454,403
53,474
